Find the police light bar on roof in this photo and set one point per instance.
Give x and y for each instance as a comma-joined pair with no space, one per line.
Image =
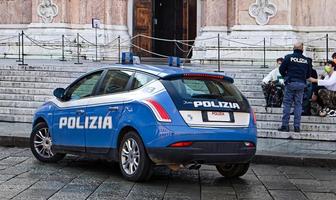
126,58
174,61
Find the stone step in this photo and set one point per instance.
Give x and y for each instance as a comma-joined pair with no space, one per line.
20,104
257,102
55,68
307,135
25,97
247,82
17,111
41,73
38,85
16,118
261,109
274,125
304,119
34,91
253,95
246,75
249,88
36,79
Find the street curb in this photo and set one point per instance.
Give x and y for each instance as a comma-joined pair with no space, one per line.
14,141
260,158
296,160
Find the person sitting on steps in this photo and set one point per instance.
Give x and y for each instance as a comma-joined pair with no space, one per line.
327,91
272,86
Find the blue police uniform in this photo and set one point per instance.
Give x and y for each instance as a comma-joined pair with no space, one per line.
296,69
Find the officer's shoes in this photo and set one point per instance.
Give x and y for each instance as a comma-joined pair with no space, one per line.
284,129
297,129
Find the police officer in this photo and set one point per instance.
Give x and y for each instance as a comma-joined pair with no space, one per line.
296,69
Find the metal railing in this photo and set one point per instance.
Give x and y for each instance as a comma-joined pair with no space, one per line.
77,47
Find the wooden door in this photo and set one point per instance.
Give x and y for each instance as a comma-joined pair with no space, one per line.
142,25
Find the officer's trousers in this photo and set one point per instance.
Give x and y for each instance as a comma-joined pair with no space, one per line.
293,93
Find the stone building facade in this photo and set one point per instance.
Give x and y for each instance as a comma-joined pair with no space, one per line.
241,25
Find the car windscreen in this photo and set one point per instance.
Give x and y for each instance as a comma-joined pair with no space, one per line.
200,93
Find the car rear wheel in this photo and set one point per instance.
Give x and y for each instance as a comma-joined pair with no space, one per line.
41,144
233,170
134,162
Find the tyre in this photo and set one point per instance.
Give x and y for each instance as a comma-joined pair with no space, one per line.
233,170
134,162
41,144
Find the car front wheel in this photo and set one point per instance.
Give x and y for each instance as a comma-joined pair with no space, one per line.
233,170
41,144
134,163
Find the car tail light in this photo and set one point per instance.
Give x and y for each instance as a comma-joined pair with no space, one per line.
249,144
254,116
159,112
181,144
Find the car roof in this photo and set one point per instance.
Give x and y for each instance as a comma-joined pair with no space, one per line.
162,70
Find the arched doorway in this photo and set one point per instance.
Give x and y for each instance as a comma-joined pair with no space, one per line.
168,19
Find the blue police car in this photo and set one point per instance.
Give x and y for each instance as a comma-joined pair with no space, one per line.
142,116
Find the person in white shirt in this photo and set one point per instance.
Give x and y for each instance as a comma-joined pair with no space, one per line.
327,93
273,85
274,75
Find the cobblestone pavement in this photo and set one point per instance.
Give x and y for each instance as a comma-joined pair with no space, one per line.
23,177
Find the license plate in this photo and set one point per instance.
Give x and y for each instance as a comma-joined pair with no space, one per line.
218,116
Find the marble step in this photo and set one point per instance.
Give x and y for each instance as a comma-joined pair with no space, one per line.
16,118
25,97
20,104
303,135
37,85
304,119
17,111
60,68
34,91
41,73
36,79
308,126
249,88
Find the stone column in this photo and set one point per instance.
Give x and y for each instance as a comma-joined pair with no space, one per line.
35,17
216,13
119,12
108,12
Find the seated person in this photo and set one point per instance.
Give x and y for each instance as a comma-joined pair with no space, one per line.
327,89
273,85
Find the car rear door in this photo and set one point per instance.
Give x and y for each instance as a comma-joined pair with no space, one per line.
69,117
208,101
106,108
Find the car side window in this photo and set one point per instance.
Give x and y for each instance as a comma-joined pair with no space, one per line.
115,81
141,79
84,87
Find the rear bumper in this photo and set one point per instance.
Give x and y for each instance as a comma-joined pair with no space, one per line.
203,153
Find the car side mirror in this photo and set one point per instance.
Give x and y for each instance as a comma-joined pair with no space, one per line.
59,93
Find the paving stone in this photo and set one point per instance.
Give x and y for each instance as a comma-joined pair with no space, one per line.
252,192
35,194
287,195
152,190
309,185
262,170
277,182
320,196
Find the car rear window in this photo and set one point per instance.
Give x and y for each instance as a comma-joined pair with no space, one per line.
185,91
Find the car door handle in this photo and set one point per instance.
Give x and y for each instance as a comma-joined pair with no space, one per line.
80,112
113,108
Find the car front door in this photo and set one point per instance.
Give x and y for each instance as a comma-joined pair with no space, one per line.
70,117
106,108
